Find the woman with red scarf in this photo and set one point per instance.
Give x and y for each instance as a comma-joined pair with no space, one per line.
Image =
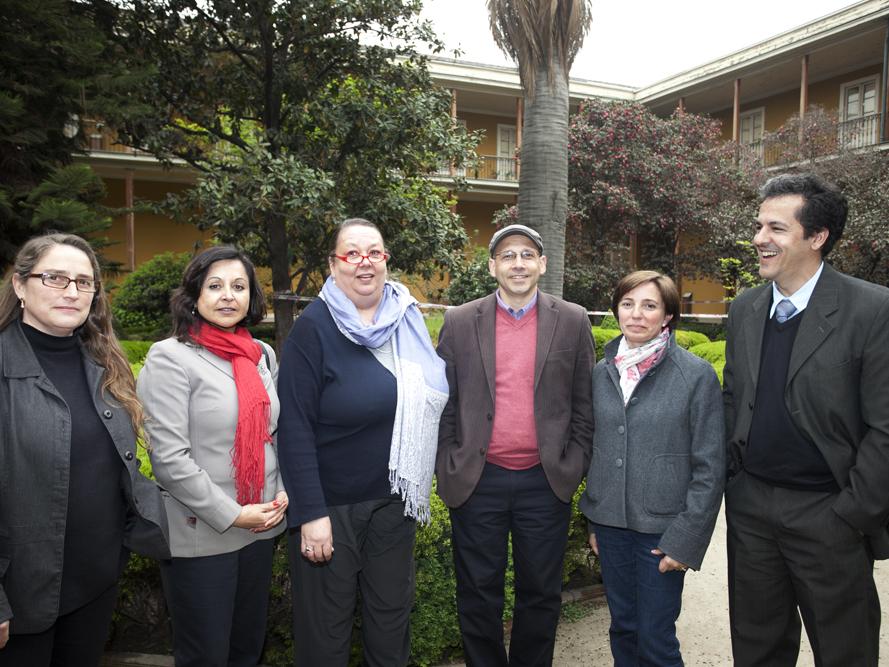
211,412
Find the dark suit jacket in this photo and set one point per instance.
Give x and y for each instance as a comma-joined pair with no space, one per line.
837,389
563,403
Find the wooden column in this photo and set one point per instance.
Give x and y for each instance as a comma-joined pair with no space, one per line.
736,113
519,114
884,107
130,220
736,119
681,105
803,94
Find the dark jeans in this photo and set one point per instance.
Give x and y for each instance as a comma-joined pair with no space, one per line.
789,554
76,639
218,605
644,603
373,554
520,503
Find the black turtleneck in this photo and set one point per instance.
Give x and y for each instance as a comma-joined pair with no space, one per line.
96,509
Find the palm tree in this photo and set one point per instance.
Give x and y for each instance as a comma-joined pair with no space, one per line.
542,37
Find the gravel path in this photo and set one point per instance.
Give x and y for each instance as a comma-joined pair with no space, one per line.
703,627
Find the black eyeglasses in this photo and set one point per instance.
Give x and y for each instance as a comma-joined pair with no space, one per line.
355,257
58,281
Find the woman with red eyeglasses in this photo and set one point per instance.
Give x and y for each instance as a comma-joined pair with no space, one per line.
72,500
361,392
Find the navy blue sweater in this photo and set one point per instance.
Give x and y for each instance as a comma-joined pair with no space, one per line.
337,412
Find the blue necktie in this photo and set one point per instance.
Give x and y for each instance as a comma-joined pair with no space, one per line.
784,311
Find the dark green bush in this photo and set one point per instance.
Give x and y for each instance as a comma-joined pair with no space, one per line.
471,280
142,303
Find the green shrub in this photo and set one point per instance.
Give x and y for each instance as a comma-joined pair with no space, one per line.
712,352
688,339
136,350
434,319
602,337
609,321
142,303
471,280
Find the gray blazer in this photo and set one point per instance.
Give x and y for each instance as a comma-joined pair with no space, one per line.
658,463
191,410
837,389
562,395
35,439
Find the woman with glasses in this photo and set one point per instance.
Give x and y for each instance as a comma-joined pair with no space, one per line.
655,481
209,394
72,500
362,390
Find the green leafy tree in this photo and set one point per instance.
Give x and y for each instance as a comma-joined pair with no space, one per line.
51,55
296,114
671,183
543,37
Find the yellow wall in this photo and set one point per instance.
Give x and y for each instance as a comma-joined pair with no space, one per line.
477,220
476,121
154,234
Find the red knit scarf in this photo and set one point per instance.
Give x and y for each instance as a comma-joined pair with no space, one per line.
254,407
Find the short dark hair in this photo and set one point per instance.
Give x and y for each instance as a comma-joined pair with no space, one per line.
665,285
184,299
351,222
824,205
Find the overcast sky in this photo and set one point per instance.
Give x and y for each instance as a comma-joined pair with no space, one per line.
638,42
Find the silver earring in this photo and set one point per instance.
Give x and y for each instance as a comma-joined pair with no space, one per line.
22,303
194,310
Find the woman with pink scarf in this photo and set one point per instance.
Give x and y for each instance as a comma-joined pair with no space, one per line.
655,481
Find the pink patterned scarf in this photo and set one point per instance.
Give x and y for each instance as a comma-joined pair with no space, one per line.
633,363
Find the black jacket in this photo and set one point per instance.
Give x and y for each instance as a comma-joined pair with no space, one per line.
35,435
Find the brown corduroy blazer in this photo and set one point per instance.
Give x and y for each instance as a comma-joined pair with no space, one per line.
563,401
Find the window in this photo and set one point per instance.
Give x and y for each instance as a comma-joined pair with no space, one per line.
859,120
752,123
506,159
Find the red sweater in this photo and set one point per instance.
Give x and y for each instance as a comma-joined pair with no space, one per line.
514,436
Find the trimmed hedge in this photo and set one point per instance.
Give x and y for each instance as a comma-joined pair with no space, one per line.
712,352
688,339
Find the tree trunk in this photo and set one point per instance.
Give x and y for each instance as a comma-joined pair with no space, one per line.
279,258
543,181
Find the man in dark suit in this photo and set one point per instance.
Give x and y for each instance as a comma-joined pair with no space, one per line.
807,412
514,443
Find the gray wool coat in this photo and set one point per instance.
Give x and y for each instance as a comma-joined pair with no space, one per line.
658,464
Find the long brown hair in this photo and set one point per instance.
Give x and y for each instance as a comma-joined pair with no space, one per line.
96,334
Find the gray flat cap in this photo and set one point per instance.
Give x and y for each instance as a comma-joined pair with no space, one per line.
509,230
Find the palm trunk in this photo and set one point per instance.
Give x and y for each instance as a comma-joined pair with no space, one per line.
543,182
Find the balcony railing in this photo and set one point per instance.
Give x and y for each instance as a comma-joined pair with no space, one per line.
860,132
487,168
850,134
99,137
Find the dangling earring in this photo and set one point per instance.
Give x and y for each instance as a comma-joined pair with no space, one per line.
22,303
194,310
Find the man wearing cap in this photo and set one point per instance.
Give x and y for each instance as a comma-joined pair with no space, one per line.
514,443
